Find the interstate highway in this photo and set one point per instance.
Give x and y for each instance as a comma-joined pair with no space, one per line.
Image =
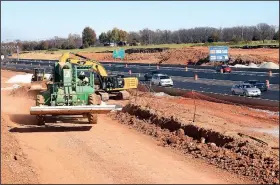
207,85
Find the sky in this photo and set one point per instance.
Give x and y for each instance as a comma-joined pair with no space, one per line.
31,20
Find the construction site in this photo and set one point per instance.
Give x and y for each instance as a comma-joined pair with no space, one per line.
184,104
153,138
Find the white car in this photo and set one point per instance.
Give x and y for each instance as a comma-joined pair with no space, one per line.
161,80
245,90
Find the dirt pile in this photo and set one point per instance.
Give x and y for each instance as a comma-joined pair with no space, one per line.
230,153
183,56
15,168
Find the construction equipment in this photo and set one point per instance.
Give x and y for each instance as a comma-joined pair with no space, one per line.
107,85
71,92
39,79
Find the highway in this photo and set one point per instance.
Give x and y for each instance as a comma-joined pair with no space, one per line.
206,85
208,79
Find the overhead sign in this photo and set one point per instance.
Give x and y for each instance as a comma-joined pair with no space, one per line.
119,53
218,53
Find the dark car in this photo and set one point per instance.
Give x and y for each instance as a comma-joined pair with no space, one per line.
258,84
148,76
225,69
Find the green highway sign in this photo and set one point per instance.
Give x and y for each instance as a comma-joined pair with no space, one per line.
119,53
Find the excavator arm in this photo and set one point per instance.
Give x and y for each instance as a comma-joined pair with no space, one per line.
96,66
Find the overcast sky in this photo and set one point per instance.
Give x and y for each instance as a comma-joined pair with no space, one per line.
29,20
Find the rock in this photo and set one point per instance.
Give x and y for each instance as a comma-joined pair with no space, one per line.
180,133
202,140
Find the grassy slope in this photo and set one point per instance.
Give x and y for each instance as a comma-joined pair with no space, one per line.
100,49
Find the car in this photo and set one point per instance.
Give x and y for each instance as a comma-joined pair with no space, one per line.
148,76
258,84
161,80
245,90
225,69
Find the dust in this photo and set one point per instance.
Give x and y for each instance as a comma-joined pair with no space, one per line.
15,167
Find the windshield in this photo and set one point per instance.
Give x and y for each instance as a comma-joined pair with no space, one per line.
164,77
247,86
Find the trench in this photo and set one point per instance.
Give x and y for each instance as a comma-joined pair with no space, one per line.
173,124
230,153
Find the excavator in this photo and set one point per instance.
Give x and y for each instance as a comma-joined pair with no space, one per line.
105,85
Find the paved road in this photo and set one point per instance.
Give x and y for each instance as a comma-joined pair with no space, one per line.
221,86
207,85
202,73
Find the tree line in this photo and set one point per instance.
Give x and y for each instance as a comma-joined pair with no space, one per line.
260,32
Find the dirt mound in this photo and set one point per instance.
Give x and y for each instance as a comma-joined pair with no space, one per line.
183,56
230,153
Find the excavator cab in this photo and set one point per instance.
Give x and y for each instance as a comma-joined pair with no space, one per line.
38,80
38,74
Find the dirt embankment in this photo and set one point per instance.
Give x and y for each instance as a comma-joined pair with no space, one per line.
15,165
228,151
187,55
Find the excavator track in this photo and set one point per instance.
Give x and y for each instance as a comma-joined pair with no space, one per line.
104,96
123,95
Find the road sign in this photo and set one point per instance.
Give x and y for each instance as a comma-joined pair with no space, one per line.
119,53
218,53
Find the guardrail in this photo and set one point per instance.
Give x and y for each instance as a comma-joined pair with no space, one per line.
251,102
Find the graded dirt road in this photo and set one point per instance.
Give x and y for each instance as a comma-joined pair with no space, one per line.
108,152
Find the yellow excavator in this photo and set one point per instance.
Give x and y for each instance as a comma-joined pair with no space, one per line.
106,85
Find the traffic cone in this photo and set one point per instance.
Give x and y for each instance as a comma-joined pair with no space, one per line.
195,77
267,83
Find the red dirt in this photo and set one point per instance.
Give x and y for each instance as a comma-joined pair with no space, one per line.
104,153
177,56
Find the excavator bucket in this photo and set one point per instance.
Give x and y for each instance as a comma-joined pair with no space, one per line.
73,110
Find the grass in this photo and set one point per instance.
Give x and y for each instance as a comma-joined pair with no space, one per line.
100,49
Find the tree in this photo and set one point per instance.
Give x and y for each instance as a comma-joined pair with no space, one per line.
115,35
264,31
123,35
88,36
103,38
85,45
276,36
214,37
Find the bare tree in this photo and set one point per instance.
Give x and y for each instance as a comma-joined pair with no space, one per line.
264,31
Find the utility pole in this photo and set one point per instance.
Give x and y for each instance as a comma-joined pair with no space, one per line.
17,53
